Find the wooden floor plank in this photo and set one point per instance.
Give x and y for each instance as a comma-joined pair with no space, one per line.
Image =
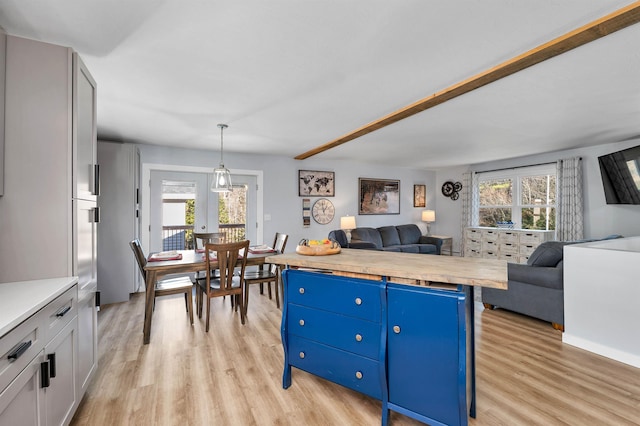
233,374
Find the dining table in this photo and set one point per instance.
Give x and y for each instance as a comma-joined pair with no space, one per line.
191,261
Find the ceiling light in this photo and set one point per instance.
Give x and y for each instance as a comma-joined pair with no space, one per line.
221,175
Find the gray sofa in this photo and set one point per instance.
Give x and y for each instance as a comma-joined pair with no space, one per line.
402,238
535,288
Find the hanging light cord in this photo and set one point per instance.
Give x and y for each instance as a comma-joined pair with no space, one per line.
222,127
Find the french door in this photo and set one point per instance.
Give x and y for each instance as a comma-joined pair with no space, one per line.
181,203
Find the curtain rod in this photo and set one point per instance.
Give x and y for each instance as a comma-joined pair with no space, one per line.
520,167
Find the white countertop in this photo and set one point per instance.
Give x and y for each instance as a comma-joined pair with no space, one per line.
20,300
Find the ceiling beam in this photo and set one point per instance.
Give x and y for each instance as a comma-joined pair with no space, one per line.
599,28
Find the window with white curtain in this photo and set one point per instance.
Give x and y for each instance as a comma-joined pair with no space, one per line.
525,196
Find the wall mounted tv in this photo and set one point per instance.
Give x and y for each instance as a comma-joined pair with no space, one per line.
620,173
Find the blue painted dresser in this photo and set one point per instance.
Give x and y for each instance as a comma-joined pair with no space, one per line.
402,344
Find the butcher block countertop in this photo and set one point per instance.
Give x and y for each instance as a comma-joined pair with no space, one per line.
406,268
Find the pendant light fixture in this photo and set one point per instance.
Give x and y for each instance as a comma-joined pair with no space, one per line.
221,175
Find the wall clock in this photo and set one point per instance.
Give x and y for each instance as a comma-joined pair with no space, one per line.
323,211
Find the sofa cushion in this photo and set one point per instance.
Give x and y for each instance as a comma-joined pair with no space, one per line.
409,234
428,249
543,276
366,234
548,253
389,236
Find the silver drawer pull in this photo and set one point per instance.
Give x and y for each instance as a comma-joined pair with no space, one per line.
358,375
358,301
301,355
358,337
301,322
301,290
396,329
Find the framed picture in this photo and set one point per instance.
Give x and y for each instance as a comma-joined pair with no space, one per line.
313,183
419,195
378,196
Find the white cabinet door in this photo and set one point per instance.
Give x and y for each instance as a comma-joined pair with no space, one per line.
87,340
60,395
21,402
84,132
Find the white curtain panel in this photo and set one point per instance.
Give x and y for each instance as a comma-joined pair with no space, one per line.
470,204
570,203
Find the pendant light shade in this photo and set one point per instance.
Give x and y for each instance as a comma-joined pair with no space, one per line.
221,175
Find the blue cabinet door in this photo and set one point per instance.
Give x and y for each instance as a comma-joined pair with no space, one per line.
426,354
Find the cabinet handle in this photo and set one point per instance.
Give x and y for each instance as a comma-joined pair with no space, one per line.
44,374
396,329
96,179
18,351
301,355
301,322
301,290
358,375
63,312
95,215
358,337
52,364
358,301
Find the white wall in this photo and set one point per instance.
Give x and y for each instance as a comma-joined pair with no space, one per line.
281,200
600,219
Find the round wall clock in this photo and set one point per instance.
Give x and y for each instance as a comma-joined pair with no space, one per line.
323,211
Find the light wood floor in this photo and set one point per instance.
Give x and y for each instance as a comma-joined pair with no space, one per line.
233,374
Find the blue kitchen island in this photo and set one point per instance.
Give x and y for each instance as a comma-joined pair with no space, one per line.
395,326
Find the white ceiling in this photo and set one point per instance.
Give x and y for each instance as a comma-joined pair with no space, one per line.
290,75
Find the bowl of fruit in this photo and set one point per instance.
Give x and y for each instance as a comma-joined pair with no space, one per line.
318,247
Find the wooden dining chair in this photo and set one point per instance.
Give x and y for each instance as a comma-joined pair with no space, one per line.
202,238
267,273
228,283
167,286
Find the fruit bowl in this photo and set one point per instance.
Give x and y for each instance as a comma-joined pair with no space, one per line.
317,247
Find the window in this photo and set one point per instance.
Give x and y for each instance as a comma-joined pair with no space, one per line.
525,196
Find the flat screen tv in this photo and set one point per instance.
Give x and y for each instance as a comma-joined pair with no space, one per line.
620,173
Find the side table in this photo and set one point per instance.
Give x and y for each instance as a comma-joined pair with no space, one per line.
447,243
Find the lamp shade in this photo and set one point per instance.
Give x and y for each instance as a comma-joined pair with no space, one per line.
221,180
429,216
347,222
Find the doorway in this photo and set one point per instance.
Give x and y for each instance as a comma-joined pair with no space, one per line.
193,183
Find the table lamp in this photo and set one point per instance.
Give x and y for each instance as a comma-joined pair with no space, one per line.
347,223
428,216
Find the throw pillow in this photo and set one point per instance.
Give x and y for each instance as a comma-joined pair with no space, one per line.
548,253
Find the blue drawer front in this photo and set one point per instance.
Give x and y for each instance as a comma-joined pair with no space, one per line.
336,365
350,334
349,296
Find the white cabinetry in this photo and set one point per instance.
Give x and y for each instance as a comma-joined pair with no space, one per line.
38,364
51,180
119,197
512,245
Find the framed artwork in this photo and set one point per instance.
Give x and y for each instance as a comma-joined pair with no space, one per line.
313,183
378,196
419,195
